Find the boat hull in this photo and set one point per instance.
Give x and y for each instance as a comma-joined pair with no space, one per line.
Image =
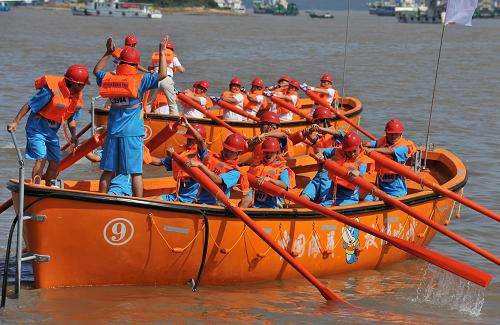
154,123
95,239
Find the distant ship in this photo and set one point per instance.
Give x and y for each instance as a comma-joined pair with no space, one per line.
275,7
4,7
382,8
323,15
235,6
116,8
421,11
487,9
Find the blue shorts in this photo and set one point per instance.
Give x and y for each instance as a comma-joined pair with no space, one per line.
42,141
120,185
123,155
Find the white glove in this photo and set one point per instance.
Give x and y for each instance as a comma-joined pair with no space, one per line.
268,93
215,99
304,86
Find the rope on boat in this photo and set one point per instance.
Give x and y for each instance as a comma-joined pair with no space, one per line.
228,250
174,249
346,42
264,254
433,96
324,252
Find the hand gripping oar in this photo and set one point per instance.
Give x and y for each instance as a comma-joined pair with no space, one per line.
287,105
447,263
92,143
208,184
322,102
78,135
367,186
233,108
169,130
406,172
192,103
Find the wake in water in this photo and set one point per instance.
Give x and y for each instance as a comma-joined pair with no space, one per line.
442,288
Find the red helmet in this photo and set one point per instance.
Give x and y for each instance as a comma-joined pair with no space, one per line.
203,84
130,55
198,127
326,77
284,78
294,83
170,45
322,113
235,142
394,126
351,142
270,117
130,40
271,144
235,81
78,73
257,82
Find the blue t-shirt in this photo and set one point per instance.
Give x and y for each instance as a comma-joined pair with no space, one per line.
395,185
123,121
264,200
188,188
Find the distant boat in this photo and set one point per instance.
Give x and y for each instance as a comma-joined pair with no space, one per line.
324,15
486,9
382,8
4,7
432,11
117,9
275,7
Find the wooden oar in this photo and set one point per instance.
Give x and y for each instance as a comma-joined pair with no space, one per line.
169,130
7,204
408,173
289,106
192,103
370,188
235,109
208,184
92,143
78,135
322,102
462,270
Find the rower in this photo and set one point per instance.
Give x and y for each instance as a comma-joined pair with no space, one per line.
256,99
221,168
199,94
131,41
322,134
269,169
167,84
292,96
398,149
58,99
338,191
325,90
282,85
269,127
234,96
187,188
123,150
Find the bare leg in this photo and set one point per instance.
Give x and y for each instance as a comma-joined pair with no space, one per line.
137,185
106,177
37,172
52,171
246,201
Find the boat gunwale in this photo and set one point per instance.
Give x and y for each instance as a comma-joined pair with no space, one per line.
454,185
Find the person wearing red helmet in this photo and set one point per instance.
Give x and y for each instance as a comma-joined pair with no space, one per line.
269,169
398,149
325,90
335,190
221,168
256,100
125,88
130,41
58,99
281,85
322,134
199,94
235,96
291,95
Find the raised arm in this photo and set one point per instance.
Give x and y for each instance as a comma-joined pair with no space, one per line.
103,61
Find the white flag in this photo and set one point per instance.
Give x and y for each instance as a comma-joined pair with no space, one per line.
460,12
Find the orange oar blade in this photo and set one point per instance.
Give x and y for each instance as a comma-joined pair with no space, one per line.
461,269
210,186
235,109
289,106
408,173
322,102
370,188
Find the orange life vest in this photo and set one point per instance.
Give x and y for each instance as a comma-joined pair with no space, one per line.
177,172
215,163
155,57
298,105
382,143
326,141
63,104
273,171
258,154
159,101
340,158
325,96
116,53
248,105
118,85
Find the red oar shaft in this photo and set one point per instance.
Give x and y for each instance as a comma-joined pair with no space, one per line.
192,103
406,172
169,130
463,270
322,102
289,106
235,109
92,143
78,135
7,204
369,187
208,184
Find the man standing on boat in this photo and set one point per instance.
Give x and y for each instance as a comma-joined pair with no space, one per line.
167,84
340,191
123,150
398,149
325,90
58,100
